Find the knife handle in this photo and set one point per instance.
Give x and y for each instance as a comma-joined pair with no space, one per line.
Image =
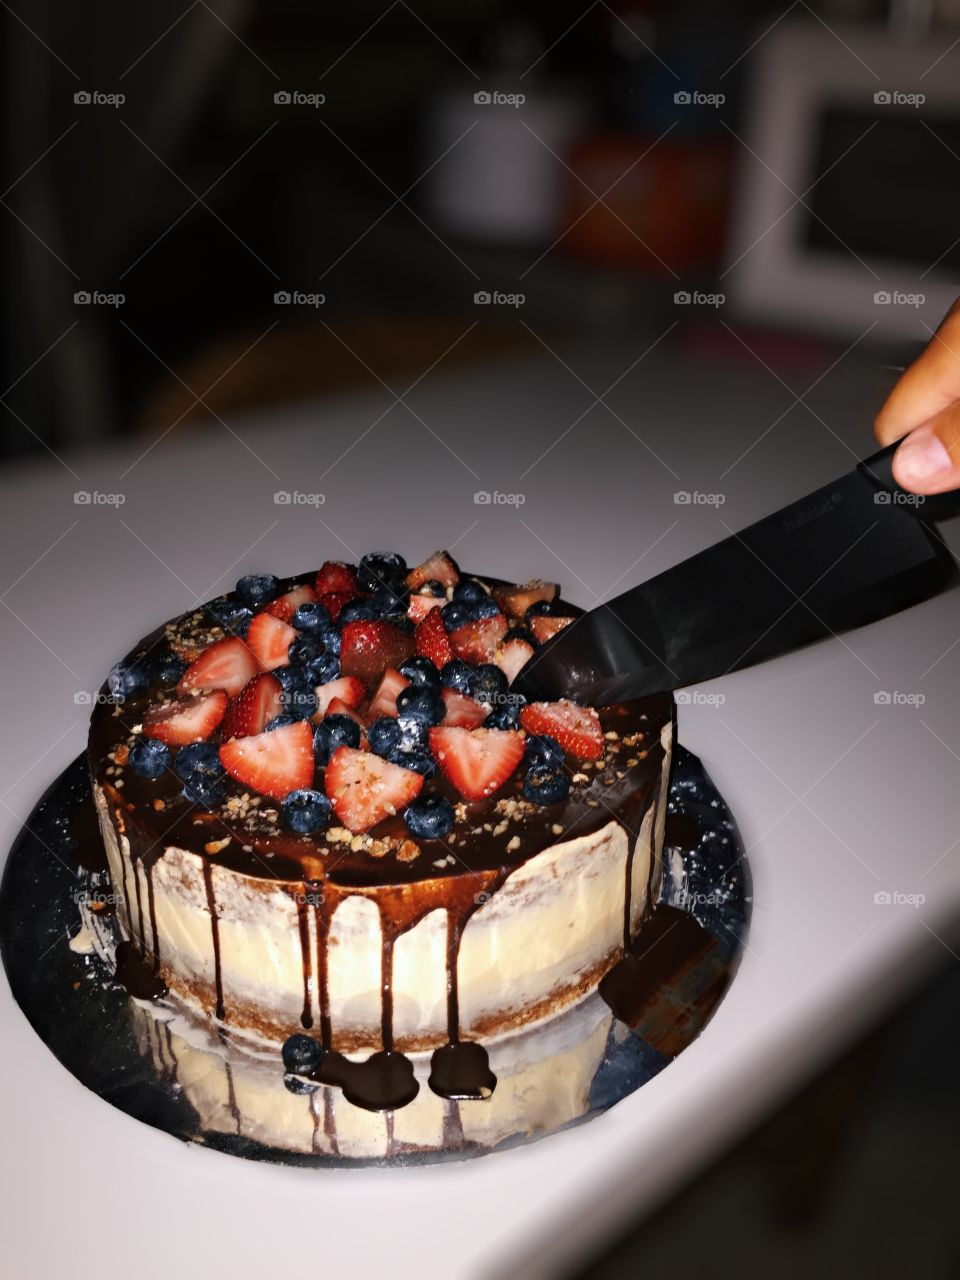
878,469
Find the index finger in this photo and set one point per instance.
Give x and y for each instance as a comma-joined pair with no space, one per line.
931,383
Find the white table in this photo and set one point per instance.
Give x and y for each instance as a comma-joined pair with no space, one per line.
838,798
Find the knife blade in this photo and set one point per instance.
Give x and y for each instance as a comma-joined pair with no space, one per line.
847,554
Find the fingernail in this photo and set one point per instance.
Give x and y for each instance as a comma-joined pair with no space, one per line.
922,457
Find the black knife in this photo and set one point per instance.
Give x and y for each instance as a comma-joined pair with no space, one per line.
852,552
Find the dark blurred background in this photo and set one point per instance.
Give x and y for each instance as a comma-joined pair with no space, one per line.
214,207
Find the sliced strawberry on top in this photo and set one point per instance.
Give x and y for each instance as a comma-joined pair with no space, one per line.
545,626
436,568
273,763
368,648
430,639
576,728
334,575
347,688
364,788
478,641
420,605
337,707
517,600
285,606
269,638
253,708
462,712
189,719
477,761
384,701
226,664
335,600
512,656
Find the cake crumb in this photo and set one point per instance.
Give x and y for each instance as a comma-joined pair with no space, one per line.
513,845
557,829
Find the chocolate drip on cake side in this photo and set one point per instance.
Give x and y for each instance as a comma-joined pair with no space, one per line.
218,1009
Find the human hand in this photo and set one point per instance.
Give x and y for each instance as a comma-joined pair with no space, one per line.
923,409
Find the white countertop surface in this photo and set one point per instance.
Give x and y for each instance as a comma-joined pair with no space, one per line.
838,797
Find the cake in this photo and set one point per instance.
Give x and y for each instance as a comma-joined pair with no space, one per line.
332,827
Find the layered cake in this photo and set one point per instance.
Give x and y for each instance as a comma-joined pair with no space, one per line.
332,826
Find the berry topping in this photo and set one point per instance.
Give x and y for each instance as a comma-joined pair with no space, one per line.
231,614
462,712
337,730
334,601
301,1053
544,627
506,716
305,810
576,728
226,664
420,605
336,576
365,788
256,704
368,648
384,701
361,609
311,616
517,600
477,761
257,588
381,569
429,817
285,606
273,763
322,669
455,614
190,719
436,568
169,670
202,773
419,703
384,735
149,759
488,684
543,785
270,639
456,675
478,641
512,656
422,671
347,688
126,679
469,592
542,749
420,761
431,640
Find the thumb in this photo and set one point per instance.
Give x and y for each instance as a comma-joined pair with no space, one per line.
928,460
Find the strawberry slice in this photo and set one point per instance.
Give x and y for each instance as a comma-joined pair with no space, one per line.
334,575
285,606
512,656
269,638
368,648
335,600
517,600
476,761
431,640
189,719
347,688
254,708
420,606
226,664
545,626
477,641
462,712
364,788
576,728
273,763
436,568
384,701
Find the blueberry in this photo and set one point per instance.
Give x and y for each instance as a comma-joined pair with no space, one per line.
306,810
469,591
363,610
421,671
230,613
544,785
455,614
381,568
383,735
419,703
485,608
304,649
391,599
456,675
322,669
333,732
199,758
299,701
432,588
329,637
543,609
503,717
429,817
293,1084
149,758
414,734
289,677
202,789
418,761
311,616
280,722
126,679
168,669
301,1053
522,633
488,683
541,749
256,589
